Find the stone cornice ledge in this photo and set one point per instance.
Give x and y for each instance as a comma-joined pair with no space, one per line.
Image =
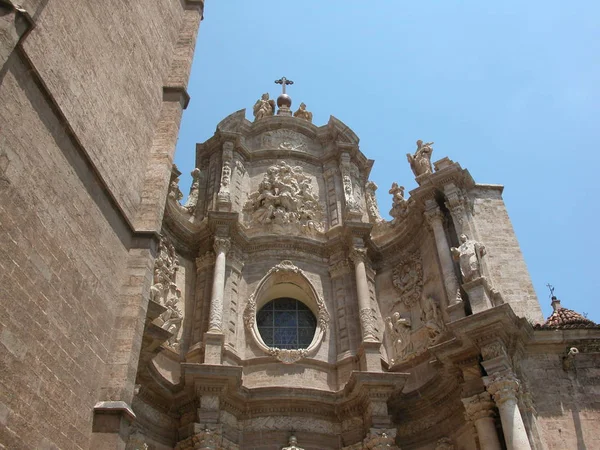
119,408
176,94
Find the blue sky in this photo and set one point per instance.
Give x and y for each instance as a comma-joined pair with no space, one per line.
508,89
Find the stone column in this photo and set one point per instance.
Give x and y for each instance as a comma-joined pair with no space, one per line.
221,247
504,387
479,409
369,351
367,320
434,219
213,339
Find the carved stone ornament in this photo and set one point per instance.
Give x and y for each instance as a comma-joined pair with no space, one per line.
400,329
285,198
371,199
469,254
369,325
444,443
479,406
493,350
287,273
503,387
207,439
175,193
136,441
407,278
165,292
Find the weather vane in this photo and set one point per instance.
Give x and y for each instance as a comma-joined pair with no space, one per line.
283,81
551,290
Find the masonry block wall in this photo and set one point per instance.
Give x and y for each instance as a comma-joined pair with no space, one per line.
81,89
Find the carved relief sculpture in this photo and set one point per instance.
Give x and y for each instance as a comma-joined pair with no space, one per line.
399,329
407,278
263,107
302,113
285,197
165,292
371,199
400,205
420,162
432,320
469,255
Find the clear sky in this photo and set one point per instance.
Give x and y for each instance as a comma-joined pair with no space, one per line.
510,90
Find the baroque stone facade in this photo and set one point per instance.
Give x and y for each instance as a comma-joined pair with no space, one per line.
274,309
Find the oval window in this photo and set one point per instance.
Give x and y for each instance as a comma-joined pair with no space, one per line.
286,323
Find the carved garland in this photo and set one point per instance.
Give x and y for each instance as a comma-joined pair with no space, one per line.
408,279
286,272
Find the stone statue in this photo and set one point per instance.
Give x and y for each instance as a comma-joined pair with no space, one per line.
302,113
420,162
172,317
432,320
192,199
264,107
174,191
399,204
292,444
400,329
469,255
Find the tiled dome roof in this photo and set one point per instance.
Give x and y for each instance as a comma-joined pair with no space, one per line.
563,318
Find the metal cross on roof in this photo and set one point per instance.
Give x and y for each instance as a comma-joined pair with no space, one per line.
283,81
551,289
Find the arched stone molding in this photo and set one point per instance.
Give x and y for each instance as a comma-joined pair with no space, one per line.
287,280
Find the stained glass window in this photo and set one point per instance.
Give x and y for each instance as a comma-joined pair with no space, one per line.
286,323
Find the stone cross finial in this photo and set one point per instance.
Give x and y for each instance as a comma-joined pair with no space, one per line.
284,82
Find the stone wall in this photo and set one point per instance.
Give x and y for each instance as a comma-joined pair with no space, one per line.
61,261
507,268
83,113
565,395
105,64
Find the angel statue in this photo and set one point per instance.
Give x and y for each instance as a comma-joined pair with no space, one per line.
302,113
263,107
420,162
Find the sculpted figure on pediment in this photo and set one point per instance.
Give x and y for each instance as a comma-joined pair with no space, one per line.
407,278
302,113
400,206
192,199
285,197
263,107
420,162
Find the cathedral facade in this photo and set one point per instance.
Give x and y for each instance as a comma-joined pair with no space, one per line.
275,308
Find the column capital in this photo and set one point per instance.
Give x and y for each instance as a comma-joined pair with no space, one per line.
502,386
358,254
433,214
221,244
479,406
